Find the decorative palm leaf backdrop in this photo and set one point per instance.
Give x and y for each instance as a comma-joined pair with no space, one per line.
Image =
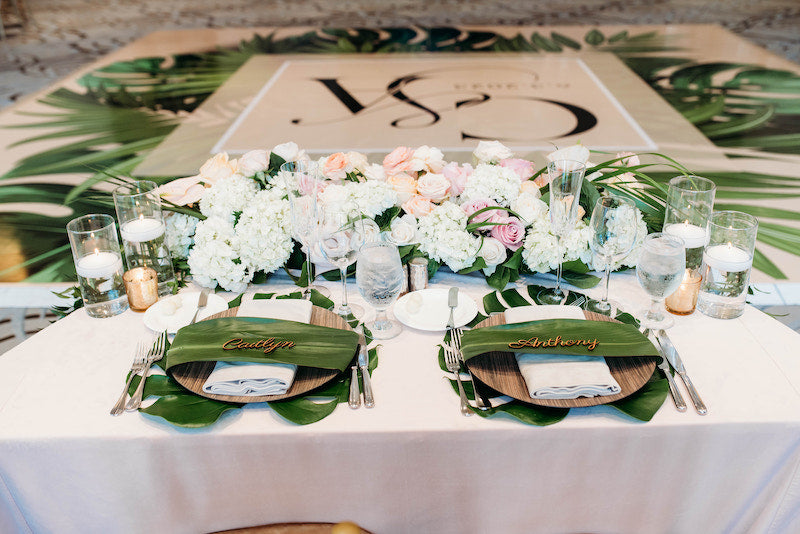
128,108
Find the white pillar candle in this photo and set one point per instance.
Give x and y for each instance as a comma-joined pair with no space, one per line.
727,258
144,229
693,236
99,265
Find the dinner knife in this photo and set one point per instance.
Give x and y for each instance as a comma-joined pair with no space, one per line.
675,360
363,363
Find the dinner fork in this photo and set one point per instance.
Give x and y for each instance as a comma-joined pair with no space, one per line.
139,358
455,340
454,366
155,354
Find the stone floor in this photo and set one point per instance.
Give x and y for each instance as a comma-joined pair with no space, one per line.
63,35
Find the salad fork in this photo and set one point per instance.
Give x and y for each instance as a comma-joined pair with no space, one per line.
455,339
155,354
454,366
140,356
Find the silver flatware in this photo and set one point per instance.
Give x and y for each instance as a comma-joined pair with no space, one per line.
363,364
454,366
156,353
202,300
455,340
452,301
354,400
675,360
662,364
139,359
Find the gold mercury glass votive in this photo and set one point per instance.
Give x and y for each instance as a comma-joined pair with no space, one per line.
684,300
141,284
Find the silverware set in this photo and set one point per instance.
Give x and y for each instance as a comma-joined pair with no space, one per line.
143,359
354,399
669,357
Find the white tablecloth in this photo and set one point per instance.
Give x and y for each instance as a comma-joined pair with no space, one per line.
413,463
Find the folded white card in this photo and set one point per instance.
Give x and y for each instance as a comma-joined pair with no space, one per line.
256,379
556,376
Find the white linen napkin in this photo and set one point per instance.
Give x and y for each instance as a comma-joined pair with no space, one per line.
557,376
256,379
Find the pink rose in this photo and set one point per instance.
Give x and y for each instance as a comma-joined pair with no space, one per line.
182,191
458,176
523,168
404,185
335,166
511,233
489,215
399,160
417,206
542,180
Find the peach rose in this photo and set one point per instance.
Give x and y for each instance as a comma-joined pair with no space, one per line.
433,186
216,168
529,187
335,167
182,191
404,185
417,206
458,176
398,160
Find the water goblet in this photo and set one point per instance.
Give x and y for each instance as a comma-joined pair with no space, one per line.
379,276
566,179
341,235
612,237
302,186
660,270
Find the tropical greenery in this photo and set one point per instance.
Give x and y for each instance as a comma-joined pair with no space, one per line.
127,108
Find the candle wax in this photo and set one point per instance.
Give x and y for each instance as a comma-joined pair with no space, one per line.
727,258
693,236
145,229
99,265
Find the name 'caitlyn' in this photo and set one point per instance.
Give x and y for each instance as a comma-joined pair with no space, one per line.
269,345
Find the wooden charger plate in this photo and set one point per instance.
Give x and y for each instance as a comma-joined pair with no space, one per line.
499,371
192,375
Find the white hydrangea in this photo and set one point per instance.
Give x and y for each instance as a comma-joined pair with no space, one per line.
264,233
227,196
179,232
215,258
443,237
540,248
500,184
371,198
622,221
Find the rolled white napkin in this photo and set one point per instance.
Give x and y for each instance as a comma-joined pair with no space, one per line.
556,376
256,379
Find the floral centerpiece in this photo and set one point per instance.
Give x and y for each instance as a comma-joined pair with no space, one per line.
231,222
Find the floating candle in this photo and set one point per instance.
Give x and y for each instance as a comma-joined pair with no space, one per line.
143,229
693,236
99,265
727,258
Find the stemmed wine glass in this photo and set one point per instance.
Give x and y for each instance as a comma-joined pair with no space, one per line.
660,271
341,235
613,235
302,185
566,179
379,276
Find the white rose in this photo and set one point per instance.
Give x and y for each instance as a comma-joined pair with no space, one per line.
434,187
576,153
372,231
357,161
491,152
403,230
217,168
493,253
529,208
374,172
253,162
289,151
427,159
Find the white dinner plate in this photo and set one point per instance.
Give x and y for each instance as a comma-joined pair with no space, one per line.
156,318
433,311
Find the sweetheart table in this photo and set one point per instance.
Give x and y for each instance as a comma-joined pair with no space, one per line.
413,463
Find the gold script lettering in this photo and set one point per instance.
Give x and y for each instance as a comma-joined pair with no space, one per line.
269,345
535,343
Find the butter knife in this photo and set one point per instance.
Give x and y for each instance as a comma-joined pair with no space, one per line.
452,301
363,364
676,362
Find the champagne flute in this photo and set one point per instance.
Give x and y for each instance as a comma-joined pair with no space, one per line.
379,276
566,179
341,237
302,186
613,235
660,271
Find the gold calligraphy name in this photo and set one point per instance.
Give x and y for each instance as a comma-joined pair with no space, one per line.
269,345
536,343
